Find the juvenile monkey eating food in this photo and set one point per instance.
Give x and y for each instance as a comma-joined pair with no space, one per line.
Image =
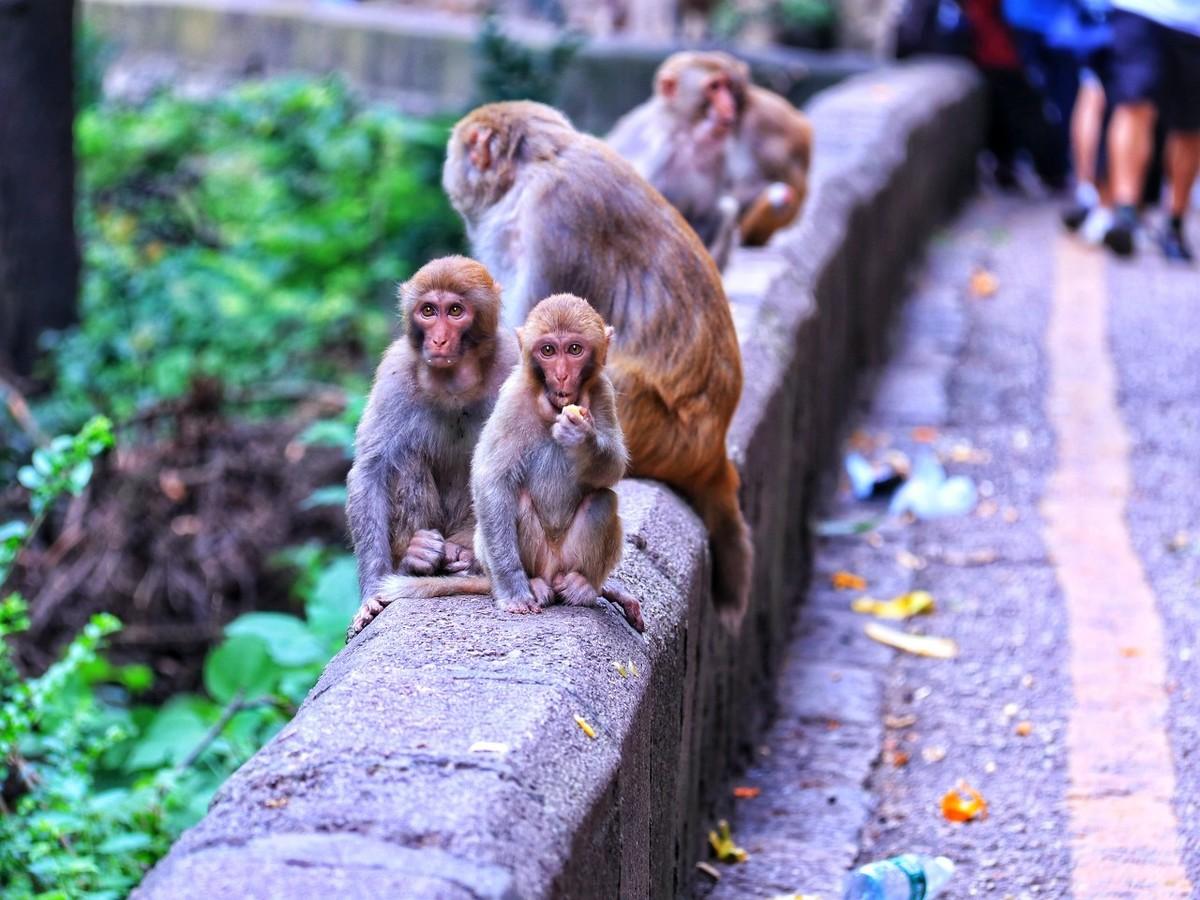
547,528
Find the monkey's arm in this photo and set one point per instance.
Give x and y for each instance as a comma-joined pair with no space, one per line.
496,474
390,491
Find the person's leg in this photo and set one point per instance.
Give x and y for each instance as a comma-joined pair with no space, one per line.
1086,121
1183,144
1135,85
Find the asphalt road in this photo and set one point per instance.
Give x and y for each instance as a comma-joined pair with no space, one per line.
1066,385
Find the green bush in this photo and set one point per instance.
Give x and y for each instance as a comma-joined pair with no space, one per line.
253,238
102,785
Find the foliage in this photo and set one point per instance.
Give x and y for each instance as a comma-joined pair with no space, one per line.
95,787
92,53
254,238
807,22
511,70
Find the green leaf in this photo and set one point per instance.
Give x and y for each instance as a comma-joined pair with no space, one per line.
176,730
288,640
240,663
125,843
333,495
333,601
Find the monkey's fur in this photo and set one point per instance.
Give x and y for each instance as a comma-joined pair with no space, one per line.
679,140
551,210
408,493
769,160
542,475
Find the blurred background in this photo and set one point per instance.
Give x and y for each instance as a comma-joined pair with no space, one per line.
205,209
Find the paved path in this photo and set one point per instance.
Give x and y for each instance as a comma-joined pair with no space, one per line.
1072,397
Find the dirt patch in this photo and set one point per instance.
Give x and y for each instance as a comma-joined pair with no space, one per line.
176,536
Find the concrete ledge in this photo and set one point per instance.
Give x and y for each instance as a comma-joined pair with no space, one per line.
374,790
420,60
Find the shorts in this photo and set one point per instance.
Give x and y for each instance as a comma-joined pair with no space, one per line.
1156,63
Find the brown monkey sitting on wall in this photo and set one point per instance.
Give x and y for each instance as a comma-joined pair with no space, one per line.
542,475
769,160
678,140
550,210
408,493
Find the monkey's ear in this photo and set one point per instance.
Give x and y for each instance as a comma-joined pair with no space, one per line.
667,84
520,338
608,335
479,147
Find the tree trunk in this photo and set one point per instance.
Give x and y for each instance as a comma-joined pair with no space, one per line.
39,255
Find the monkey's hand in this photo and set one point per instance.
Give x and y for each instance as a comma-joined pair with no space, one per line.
573,427
518,603
460,559
425,554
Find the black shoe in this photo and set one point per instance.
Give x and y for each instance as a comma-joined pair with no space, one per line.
1174,246
1119,238
1075,215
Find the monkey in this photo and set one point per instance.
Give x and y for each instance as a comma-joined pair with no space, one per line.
680,138
769,160
550,210
541,478
408,492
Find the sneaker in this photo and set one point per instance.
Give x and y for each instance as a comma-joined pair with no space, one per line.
1119,238
1099,220
1174,246
1075,215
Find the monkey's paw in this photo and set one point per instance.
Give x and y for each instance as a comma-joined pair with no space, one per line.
459,559
575,589
425,554
366,614
573,426
629,604
519,604
542,592
781,195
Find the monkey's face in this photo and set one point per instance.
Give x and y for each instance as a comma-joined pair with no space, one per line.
564,362
441,321
705,96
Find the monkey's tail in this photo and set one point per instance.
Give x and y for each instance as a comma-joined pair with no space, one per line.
733,554
420,587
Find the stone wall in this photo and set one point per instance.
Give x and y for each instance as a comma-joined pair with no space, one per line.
419,60
439,757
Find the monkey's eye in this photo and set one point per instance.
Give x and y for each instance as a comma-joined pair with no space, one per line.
575,349
547,350
456,310
429,310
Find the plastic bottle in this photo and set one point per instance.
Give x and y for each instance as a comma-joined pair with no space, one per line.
909,876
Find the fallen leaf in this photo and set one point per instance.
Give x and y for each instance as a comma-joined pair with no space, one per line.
1024,729
489,747
744,792
897,758
832,724
983,283
275,802
933,754
710,870
587,729
723,846
963,803
899,722
910,561
924,434
620,667
633,669
897,609
848,581
917,644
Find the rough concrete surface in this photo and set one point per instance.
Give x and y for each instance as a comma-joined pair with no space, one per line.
380,787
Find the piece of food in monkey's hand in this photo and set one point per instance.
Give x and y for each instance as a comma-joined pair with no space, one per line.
575,409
